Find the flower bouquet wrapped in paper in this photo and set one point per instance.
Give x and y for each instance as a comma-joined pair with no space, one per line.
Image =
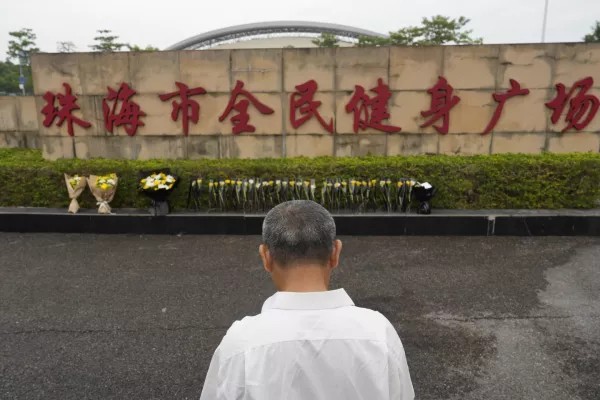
424,192
158,185
103,188
75,186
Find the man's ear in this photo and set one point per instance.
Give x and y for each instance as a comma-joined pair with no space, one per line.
334,260
263,250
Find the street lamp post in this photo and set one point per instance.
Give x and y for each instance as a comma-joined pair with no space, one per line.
545,21
22,61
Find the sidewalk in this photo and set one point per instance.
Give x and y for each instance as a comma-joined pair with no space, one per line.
440,223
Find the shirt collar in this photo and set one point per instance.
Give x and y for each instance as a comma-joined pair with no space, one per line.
308,300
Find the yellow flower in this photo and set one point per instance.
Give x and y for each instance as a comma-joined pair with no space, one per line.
156,188
104,186
156,183
239,182
292,183
388,181
373,181
307,183
143,181
270,183
227,181
210,184
344,183
170,186
364,183
399,184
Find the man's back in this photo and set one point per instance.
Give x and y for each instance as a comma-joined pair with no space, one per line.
313,346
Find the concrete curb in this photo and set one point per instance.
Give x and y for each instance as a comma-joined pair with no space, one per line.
440,223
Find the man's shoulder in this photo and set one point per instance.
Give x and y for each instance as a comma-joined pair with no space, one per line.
241,335
262,329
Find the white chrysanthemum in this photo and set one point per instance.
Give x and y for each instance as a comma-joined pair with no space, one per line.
157,177
277,182
251,181
161,186
170,179
111,181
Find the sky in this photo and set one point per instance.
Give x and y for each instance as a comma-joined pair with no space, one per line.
162,23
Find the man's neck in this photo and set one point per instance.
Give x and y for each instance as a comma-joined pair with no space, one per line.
304,278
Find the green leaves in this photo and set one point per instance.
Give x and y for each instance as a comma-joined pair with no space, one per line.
22,41
499,181
436,30
326,40
593,37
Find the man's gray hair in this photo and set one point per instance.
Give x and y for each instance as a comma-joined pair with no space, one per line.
299,231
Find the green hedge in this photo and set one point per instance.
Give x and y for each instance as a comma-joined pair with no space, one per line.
547,181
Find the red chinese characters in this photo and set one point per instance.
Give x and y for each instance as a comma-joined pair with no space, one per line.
189,109
582,106
302,102
369,112
129,113
442,101
242,118
501,98
64,112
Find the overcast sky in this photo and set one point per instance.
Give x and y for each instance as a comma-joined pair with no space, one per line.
166,22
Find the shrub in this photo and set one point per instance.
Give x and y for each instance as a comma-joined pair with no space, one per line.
547,181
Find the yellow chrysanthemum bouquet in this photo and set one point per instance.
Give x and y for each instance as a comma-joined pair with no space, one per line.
157,185
103,187
75,186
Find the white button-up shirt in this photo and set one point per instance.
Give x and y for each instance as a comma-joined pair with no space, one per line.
310,346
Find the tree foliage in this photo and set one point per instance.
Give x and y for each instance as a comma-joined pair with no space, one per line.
9,78
66,47
137,48
22,42
106,42
326,40
433,31
593,37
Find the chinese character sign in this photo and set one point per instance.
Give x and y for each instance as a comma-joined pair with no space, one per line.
123,111
371,111
241,120
581,106
189,109
64,112
576,105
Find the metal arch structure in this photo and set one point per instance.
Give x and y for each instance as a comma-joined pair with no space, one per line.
212,38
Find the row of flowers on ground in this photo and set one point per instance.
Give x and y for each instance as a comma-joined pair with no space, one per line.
255,194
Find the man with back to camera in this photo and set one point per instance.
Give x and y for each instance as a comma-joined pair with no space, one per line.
308,343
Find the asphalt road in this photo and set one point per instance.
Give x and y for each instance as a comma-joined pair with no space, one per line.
129,317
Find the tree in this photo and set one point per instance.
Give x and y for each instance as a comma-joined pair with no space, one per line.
137,48
434,31
22,42
593,37
326,40
66,47
9,78
107,43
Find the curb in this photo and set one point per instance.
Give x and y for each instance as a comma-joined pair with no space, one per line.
440,223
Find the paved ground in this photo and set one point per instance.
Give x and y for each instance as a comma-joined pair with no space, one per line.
129,317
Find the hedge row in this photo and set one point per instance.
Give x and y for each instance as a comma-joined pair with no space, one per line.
547,181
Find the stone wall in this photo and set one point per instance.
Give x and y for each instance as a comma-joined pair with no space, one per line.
271,75
18,122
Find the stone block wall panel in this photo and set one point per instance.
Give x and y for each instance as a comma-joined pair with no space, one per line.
475,73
